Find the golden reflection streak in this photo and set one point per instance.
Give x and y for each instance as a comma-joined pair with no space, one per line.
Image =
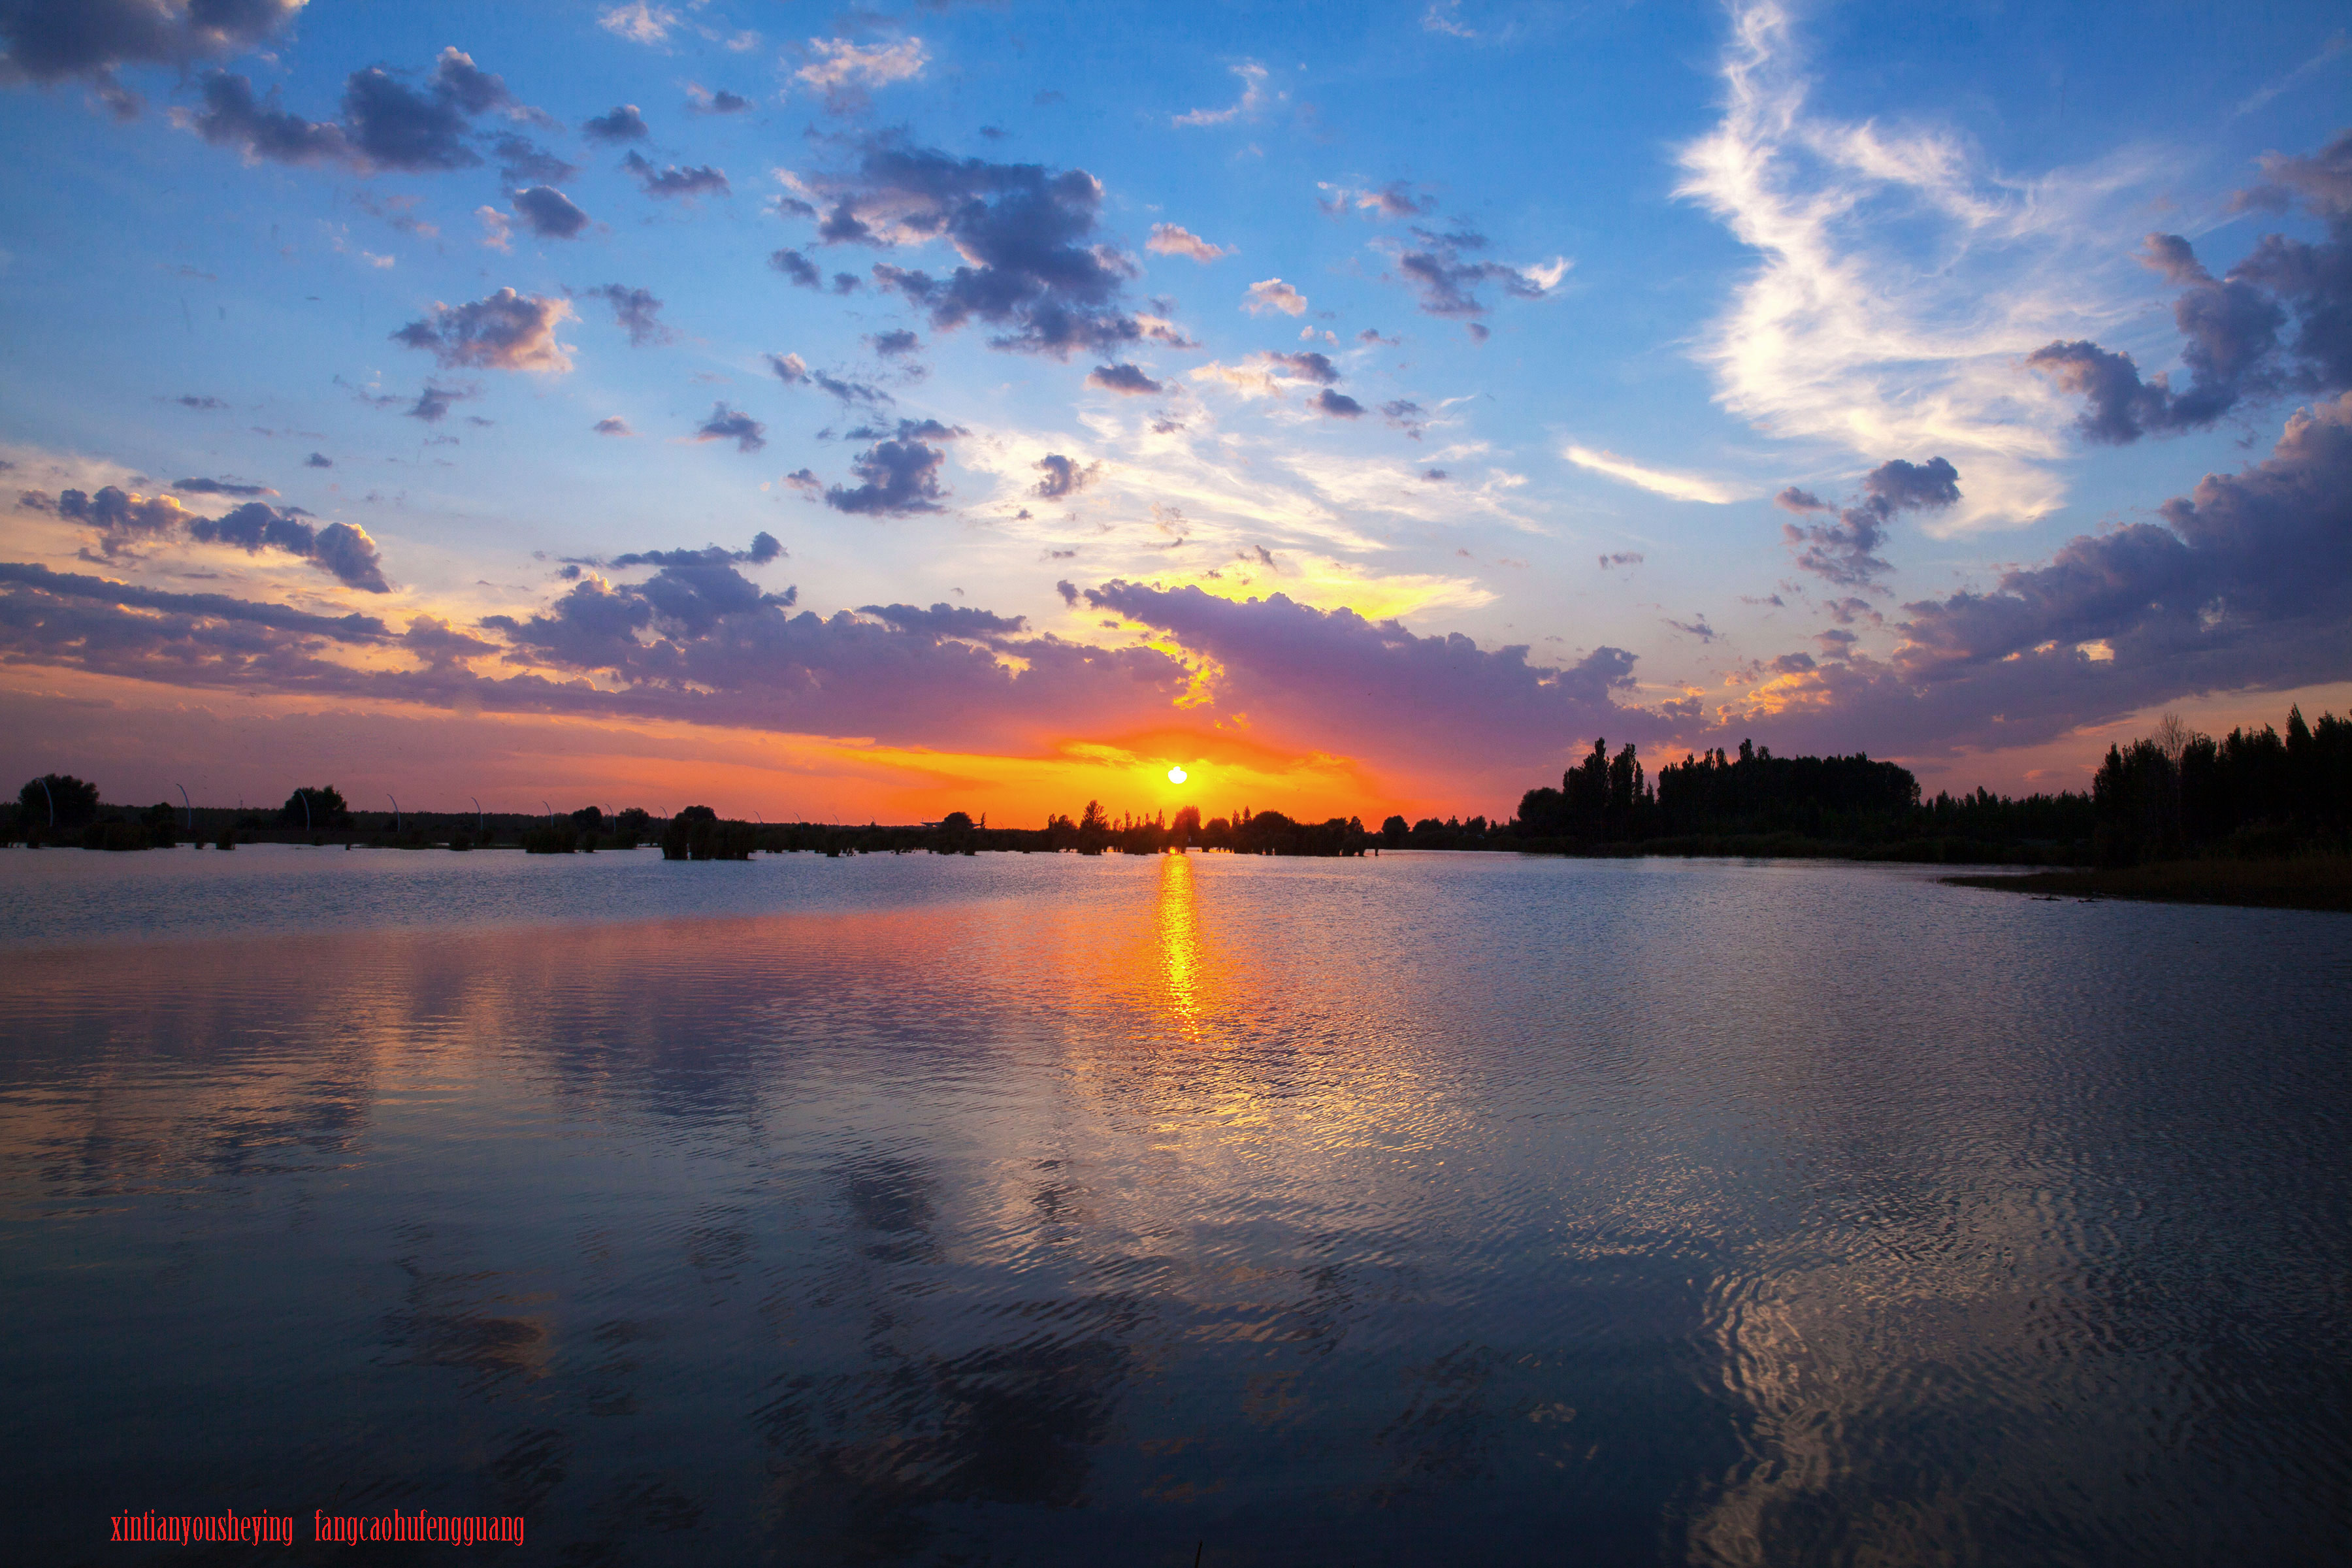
1182,964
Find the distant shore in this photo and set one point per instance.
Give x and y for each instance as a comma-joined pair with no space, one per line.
2312,883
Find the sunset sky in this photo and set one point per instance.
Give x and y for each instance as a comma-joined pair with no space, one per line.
869,413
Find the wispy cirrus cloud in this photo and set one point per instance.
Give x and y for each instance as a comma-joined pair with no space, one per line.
1658,482
1901,281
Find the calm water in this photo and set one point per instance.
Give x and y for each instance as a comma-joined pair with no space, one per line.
1037,1209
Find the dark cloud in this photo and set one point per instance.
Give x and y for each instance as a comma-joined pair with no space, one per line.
385,123
613,425
202,487
950,621
847,283
522,161
120,519
433,404
764,549
1409,417
1314,367
791,369
1338,405
1620,558
392,126
900,478
2322,181
548,213
232,117
1696,628
339,549
797,267
1068,590
1434,265
891,344
1032,266
2236,343
620,123
634,309
1064,476
190,400
1123,377
1436,476
675,181
505,330
51,40
318,461
725,424
440,646
351,628
1844,551
1330,677
703,101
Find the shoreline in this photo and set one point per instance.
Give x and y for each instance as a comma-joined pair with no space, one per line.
2318,884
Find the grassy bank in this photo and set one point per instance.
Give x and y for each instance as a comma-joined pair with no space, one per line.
2316,883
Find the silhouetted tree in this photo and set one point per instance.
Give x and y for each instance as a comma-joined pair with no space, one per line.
326,809
75,802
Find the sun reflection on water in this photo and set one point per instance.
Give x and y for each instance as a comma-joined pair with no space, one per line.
1182,962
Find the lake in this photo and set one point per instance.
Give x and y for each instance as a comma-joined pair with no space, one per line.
1423,1208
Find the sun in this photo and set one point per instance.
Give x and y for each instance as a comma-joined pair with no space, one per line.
1175,775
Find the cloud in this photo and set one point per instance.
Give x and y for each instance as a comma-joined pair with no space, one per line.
794,371
1617,558
791,369
622,123
764,549
798,268
703,101
844,71
548,213
385,124
318,461
505,330
1274,294
52,40
635,311
725,424
191,400
1173,239
340,548
497,229
1394,199
1336,680
2327,51
67,586
1405,416
202,487
1246,107
944,620
1435,267
895,343
2246,584
2236,346
613,424
433,402
673,180
522,161
639,22
1659,481
1338,405
901,475
1030,265
1696,628
1064,478
1842,551
122,518
1123,378
1305,367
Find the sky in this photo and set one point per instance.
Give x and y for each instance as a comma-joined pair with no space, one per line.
864,414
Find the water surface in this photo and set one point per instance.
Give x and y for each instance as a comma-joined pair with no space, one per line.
1042,1209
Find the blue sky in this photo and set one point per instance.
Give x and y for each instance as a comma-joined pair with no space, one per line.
1563,298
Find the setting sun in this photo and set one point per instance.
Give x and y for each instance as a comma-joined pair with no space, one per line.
1175,775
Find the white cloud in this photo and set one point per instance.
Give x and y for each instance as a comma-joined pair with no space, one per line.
1660,481
1173,240
497,228
1246,107
1274,294
838,65
1901,283
639,22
